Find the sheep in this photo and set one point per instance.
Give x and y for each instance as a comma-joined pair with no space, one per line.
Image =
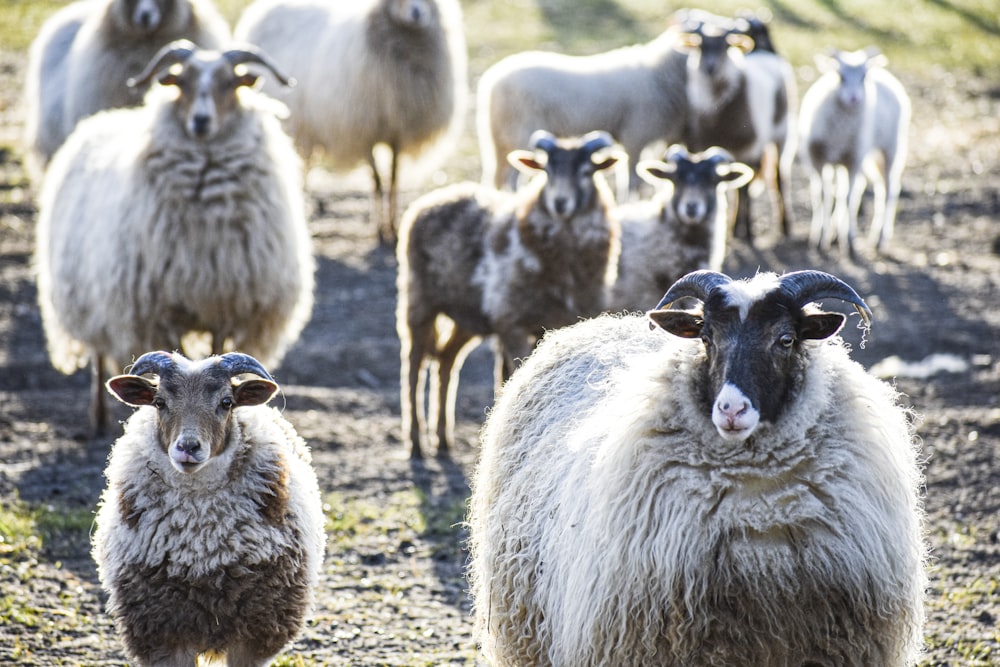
183,215
853,123
474,262
379,72
738,492
635,93
681,229
742,99
84,54
210,532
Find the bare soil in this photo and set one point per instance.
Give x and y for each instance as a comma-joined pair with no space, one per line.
393,592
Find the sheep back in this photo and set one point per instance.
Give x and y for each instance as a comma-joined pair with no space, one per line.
362,80
203,559
144,236
803,547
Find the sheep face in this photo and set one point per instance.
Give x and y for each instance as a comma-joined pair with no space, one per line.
194,401
855,88
570,166
145,17
754,335
715,60
414,13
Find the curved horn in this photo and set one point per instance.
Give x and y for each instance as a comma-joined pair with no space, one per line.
160,363
676,152
697,284
249,54
596,140
235,363
806,286
717,154
542,140
175,52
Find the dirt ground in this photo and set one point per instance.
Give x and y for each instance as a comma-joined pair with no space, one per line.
393,591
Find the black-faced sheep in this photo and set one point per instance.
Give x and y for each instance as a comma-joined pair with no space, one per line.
85,53
681,229
635,93
739,492
853,124
371,73
183,215
210,531
476,262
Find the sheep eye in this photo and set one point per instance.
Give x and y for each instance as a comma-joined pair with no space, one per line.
226,403
159,403
706,340
786,340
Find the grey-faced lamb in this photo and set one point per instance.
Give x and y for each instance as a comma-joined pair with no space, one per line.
635,93
681,229
853,124
742,99
85,53
210,533
477,262
731,490
183,215
372,73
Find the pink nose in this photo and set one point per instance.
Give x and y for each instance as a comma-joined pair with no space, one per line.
733,409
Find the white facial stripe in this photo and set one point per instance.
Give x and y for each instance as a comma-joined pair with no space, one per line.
744,293
733,415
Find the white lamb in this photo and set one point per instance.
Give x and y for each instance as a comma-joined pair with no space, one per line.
372,72
184,215
853,123
85,53
738,493
210,532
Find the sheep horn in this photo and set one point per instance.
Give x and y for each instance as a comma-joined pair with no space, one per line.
235,363
175,52
249,54
159,363
542,140
697,284
806,286
596,140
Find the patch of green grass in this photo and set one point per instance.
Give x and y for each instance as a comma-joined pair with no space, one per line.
17,530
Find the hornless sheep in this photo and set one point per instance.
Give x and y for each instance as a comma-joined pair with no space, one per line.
853,123
681,229
741,99
210,531
740,492
374,72
85,53
183,215
636,93
476,262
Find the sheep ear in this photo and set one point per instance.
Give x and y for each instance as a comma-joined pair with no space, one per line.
681,323
876,60
132,390
168,78
817,326
524,161
249,80
254,392
742,42
604,160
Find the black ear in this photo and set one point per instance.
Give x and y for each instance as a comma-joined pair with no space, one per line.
132,390
254,392
247,79
818,326
682,323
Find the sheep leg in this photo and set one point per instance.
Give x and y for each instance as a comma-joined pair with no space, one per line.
98,405
820,190
378,202
779,194
176,658
248,654
393,194
742,228
416,344
451,356
856,184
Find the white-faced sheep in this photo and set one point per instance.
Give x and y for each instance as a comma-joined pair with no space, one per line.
635,93
681,229
375,72
737,493
182,215
853,123
476,262
85,53
210,531
741,99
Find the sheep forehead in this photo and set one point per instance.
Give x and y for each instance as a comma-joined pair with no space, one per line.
743,294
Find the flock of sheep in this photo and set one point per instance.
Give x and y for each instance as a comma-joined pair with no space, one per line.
713,485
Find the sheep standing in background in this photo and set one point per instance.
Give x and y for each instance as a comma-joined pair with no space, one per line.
374,72
183,215
681,229
853,123
210,531
739,492
636,93
476,262
742,99
85,53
